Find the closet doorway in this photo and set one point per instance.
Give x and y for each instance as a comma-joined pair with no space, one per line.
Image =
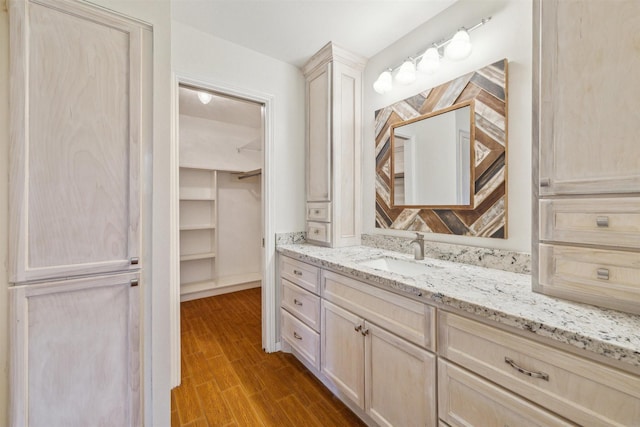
222,210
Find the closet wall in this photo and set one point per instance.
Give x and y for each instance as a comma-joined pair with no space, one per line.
220,195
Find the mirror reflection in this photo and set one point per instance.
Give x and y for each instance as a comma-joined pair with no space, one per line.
431,159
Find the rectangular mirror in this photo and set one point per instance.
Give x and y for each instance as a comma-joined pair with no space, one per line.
454,180
431,159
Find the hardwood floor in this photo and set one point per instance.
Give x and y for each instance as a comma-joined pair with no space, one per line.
227,380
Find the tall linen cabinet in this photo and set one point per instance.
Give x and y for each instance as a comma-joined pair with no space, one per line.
80,129
586,241
334,146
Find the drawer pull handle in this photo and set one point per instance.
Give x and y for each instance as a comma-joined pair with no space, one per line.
532,374
364,332
297,273
296,336
296,302
603,273
316,231
602,221
358,328
134,261
545,182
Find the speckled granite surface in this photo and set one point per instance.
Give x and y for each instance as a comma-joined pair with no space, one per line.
290,238
501,296
516,262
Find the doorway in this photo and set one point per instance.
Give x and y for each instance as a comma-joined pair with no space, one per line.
222,222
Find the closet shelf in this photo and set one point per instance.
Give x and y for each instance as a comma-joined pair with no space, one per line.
192,257
198,227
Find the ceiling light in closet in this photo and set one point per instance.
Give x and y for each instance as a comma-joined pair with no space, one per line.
205,97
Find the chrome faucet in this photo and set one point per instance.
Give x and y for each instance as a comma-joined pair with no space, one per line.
418,246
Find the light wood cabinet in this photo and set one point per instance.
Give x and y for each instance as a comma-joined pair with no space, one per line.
586,156
333,142
80,125
465,399
76,352
198,233
580,390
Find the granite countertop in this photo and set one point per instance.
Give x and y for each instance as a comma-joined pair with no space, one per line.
497,295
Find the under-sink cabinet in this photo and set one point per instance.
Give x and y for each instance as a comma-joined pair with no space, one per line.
382,354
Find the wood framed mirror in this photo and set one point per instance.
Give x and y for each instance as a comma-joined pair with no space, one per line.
484,212
431,158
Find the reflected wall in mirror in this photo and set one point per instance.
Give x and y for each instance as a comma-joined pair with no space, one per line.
431,159
406,202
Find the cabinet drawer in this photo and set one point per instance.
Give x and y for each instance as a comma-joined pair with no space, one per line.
300,273
302,304
412,320
580,390
319,212
319,232
302,338
464,399
607,278
606,221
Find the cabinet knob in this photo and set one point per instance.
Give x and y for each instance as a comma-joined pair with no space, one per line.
316,231
134,261
545,182
317,211
134,282
296,336
603,273
602,221
296,302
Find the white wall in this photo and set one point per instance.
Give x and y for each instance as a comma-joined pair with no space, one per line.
4,214
203,57
508,35
213,145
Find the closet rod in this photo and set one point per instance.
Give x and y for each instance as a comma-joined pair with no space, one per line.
249,174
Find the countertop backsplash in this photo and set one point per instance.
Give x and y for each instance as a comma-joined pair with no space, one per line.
514,262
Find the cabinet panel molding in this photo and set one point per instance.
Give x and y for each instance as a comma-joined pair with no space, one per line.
76,135
62,374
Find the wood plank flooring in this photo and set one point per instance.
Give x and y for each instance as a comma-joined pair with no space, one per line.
227,380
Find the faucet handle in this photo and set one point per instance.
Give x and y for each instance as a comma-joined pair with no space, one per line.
419,236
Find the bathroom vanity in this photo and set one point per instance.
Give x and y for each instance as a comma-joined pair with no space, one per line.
450,344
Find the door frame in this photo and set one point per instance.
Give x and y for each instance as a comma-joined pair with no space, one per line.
269,339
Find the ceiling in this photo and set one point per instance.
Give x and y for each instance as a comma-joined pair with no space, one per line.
221,109
292,31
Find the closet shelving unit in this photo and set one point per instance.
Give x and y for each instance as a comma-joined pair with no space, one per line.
198,234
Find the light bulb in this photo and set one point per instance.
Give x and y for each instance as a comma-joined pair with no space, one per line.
384,83
430,61
459,47
407,73
205,97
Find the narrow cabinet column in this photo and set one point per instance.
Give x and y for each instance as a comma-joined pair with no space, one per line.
334,117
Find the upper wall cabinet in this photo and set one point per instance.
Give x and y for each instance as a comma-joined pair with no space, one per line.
589,109
586,242
76,133
334,114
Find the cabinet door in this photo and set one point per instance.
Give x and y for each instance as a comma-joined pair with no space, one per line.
400,379
75,353
589,104
319,135
342,351
76,134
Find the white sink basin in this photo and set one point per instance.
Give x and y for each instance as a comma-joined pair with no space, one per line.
398,266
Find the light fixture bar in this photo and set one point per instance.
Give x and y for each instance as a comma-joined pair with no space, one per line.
440,44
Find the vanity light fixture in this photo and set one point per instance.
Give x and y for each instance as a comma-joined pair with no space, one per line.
407,72
205,97
455,48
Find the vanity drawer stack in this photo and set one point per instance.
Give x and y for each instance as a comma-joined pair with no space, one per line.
577,389
300,308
